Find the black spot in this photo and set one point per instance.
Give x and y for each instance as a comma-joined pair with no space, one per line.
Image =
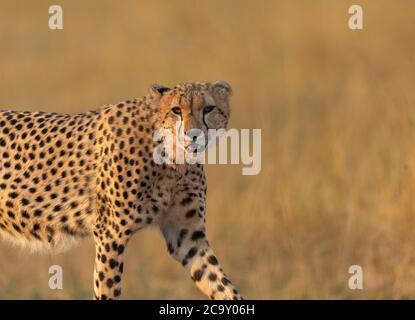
212,260
197,275
186,201
110,283
25,214
120,249
190,213
198,235
37,213
170,248
191,253
13,195
212,276
225,281
113,263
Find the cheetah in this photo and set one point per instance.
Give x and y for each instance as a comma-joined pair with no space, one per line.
66,177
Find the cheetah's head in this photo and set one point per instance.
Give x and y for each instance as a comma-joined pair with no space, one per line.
190,109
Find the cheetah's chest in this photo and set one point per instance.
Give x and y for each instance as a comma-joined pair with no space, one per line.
157,201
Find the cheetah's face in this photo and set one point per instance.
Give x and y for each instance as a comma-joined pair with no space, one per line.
191,109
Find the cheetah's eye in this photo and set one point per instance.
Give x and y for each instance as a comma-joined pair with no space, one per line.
208,109
176,110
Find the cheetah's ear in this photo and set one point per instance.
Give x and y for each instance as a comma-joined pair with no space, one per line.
157,90
222,86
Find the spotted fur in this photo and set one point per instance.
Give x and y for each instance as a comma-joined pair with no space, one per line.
65,177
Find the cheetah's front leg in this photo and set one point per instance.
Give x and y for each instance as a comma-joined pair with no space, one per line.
108,262
184,232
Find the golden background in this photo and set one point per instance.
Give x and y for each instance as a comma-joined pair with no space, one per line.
336,109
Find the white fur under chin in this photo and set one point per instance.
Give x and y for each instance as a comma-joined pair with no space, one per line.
63,243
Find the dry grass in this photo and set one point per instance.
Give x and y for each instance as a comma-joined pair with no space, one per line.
337,112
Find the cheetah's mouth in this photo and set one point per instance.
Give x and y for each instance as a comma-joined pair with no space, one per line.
196,148
193,147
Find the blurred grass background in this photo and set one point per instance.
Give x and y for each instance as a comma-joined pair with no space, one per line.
336,109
